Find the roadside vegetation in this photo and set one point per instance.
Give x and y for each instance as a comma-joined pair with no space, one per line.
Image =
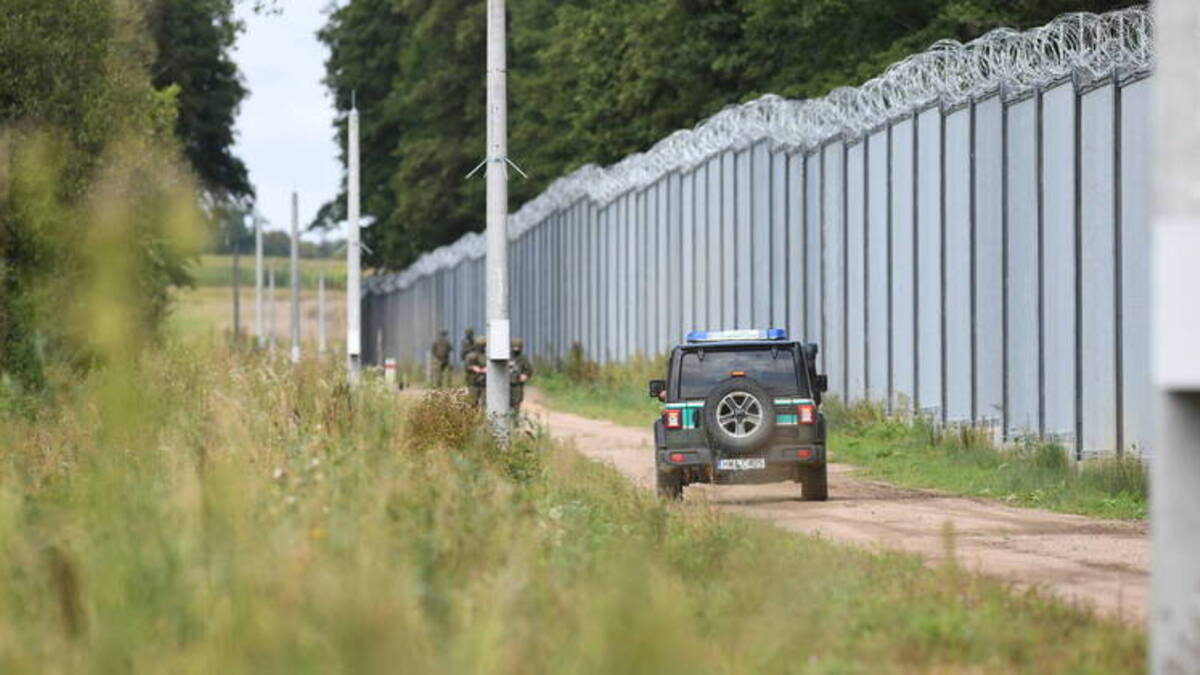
195,509
962,460
906,452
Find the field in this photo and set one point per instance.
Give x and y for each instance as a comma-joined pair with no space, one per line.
217,270
206,511
207,309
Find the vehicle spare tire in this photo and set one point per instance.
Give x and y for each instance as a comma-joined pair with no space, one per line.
739,415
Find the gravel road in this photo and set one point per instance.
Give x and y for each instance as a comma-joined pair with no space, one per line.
1100,563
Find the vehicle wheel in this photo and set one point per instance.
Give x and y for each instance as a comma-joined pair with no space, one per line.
739,415
814,484
670,485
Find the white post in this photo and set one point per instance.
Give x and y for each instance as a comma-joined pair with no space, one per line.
321,341
295,317
497,220
271,300
259,335
1175,324
353,254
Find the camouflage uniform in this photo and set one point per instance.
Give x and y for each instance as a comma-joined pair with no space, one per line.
468,345
519,372
477,381
441,352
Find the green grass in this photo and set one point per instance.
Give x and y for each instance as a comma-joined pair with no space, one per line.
201,511
965,461
217,271
616,392
907,453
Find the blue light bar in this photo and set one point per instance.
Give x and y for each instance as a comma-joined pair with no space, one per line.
742,334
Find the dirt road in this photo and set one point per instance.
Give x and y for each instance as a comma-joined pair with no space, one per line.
1101,563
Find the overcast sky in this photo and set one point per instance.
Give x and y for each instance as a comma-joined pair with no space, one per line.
285,129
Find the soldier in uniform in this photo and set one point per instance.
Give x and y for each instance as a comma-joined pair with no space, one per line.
475,365
519,372
468,345
441,351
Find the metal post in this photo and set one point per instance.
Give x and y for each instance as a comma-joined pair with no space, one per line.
353,255
258,283
271,300
497,221
295,273
237,291
1175,323
321,340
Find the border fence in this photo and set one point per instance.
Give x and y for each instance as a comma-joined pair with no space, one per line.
965,235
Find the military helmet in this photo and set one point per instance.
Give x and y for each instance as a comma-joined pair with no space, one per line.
518,343
481,340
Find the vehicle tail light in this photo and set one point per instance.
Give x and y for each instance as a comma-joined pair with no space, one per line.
677,457
673,419
804,453
807,413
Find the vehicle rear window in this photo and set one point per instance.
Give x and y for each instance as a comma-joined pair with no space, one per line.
775,370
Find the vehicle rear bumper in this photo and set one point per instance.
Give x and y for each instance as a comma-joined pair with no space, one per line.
776,457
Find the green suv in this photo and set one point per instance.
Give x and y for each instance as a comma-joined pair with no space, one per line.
741,406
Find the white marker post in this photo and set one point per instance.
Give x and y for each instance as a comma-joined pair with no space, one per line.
295,317
498,344
259,335
321,341
1175,324
353,254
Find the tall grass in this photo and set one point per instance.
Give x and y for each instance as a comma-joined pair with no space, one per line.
208,512
965,460
616,391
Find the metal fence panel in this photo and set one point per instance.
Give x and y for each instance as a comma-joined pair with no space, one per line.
1097,310
957,255
1021,275
929,261
759,175
813,219
1136,387
687,252
877,321
989,260
855,273
796,241
903,265
1059,251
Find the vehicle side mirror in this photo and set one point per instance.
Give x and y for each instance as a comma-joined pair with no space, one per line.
657,387
822,383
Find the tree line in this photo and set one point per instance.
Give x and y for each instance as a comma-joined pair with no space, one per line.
116,134
591,81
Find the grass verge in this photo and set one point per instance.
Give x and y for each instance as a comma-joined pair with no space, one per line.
965,461
201,511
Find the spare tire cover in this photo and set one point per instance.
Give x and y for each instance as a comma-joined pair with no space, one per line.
739,415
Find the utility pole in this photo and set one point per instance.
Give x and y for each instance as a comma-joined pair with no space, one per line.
353,252
295,278
237,283
321,341
258,282
1175,323
271,300
497,221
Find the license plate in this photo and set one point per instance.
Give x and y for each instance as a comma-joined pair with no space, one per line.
741,464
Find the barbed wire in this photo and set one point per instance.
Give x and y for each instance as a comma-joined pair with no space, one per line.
1083,45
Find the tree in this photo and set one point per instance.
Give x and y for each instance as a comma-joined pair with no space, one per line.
193,40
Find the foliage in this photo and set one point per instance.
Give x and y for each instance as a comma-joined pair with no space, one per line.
207,511
615,391
193,40
593,82
96,219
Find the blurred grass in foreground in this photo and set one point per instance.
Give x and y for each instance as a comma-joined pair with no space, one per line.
201,511
962,460
911,453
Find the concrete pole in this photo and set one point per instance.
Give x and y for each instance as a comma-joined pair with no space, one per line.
237,292
497,220
353,254
271,301
1175,323
295,269
321,340
258,283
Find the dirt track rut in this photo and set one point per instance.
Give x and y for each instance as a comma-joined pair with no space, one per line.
1096,562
